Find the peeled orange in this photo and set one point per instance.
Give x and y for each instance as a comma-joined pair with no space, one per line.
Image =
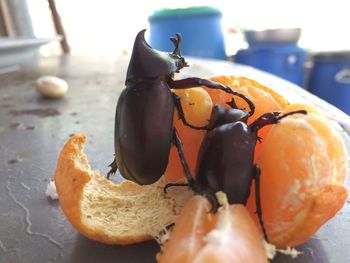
303,162
197,104
303,169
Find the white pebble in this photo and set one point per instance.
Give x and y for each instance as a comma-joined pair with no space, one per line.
51,190
51,86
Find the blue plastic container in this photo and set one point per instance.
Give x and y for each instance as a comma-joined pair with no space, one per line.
200,28
284,60
330,78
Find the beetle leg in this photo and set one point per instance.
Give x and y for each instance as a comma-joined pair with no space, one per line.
177,102
191,182
114,168
213,201
196,82
259,139
172,185
211,197
256,175
178,144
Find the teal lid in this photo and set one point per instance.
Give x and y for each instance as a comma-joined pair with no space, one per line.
190,11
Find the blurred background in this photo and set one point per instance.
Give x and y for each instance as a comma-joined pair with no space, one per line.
296,40
107,27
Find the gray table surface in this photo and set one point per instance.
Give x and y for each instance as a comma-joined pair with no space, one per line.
33,130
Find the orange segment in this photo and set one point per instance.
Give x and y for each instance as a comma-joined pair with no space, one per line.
228,236
234,239
304,166
187,238
197,106
252,84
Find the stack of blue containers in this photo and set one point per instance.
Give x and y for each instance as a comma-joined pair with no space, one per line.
330,78
199,26
281,57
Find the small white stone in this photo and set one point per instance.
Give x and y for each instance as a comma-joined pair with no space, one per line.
51,86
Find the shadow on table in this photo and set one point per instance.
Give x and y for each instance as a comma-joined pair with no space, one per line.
89,251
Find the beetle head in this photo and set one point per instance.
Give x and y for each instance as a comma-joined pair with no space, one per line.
265,119
148,63
221,116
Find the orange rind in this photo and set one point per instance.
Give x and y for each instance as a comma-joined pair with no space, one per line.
123,213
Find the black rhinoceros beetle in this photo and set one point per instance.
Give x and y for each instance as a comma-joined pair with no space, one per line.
144,127
226,156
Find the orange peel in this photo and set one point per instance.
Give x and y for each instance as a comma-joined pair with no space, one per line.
111,213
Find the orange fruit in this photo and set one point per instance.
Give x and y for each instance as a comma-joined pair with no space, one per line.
230,235
291,224
197,107
303,169
197,104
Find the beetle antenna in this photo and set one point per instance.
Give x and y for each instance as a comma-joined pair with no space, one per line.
167,186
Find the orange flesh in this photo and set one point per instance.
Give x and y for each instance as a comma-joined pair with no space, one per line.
235,238
304,166
230,235
191,226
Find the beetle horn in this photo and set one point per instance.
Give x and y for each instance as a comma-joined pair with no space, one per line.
146,62
232,104
177,40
